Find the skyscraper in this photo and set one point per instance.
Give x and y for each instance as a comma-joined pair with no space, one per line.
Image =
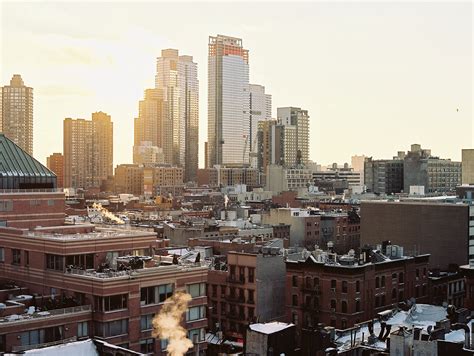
169,114
294,135
88,151
228,101
260,109
16,114
148,126
177,77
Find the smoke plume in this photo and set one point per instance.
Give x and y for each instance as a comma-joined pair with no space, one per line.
167,324
107,214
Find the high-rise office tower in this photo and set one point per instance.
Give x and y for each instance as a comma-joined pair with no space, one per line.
16,114
88,151
228,101
177,77
260,109
294,135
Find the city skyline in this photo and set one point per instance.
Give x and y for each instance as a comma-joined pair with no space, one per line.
325,76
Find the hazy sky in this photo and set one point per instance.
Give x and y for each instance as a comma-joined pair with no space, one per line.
375,77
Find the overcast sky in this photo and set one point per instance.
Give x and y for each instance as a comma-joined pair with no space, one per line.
375,77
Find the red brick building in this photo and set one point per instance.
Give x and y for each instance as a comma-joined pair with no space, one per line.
341,290
249,287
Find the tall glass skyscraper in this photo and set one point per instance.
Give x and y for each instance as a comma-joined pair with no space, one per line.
16,113
229,138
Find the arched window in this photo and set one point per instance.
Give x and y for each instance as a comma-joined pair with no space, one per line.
316,281
344,306
308,282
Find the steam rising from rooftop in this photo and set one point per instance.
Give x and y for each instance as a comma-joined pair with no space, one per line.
167,324
107,214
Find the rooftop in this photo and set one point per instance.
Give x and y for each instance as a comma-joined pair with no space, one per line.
269,328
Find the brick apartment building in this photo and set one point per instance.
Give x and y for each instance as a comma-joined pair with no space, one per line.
250,287
341,291
83,280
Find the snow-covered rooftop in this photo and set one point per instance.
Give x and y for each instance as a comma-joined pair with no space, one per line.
269,328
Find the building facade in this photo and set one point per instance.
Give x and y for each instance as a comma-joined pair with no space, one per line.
295,135
260,110
251,288
16,113
346,293
437,175
177,78
383,176
440,229
88,151
55,163
228,101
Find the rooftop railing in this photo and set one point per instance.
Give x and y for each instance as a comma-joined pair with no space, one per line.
44,314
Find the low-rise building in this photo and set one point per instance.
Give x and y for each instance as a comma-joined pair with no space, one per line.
323,287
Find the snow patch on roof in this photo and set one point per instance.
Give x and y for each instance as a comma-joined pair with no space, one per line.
269,328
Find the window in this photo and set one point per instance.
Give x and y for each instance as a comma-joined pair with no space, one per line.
146,322
112,302
41,336
251,313
196,290
344,306
196,313
394,293
251,275
357,305
295,281
54,262
16,256
2,254
333,284
316,281
82,329
196,335
80,261
214,290
357,286
6,205
163,344
295,318
250,296
27,258
377,282
400,277
333,304
223,291
242,274
156,294
112,328
344,286
295,300
383,281
147,346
